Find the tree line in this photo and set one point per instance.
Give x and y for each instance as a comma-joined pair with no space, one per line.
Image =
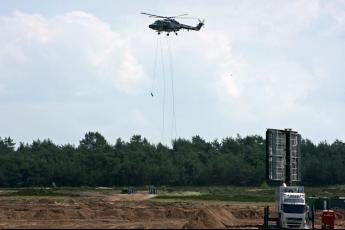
236,161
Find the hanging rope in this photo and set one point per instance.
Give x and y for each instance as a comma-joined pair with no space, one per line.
165,53
163,76
154,68
173,119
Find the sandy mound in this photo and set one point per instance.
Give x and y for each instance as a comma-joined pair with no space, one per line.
210,218
248,212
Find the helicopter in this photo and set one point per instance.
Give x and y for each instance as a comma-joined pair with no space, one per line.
169,24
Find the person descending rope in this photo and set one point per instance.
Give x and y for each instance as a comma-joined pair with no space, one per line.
154,67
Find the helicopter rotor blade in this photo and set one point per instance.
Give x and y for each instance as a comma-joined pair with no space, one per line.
181,15
154,16
193,18
158,16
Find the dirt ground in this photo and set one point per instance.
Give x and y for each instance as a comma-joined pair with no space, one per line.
97,210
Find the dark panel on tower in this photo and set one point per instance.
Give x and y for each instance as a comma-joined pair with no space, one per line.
288,168
268,167
299,154
275,154
283,155
295,156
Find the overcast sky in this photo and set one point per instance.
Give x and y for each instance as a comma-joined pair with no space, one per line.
72,66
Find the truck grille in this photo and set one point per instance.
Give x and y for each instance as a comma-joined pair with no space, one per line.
294,222
294,219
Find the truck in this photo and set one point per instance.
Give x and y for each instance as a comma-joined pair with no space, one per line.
292,208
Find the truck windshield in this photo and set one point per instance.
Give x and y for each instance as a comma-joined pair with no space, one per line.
290,208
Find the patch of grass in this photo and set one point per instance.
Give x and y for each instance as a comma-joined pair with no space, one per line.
209,197
235,194
264,193
36,192
325,191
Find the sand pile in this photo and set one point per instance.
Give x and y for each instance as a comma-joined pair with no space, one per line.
210,217
247,212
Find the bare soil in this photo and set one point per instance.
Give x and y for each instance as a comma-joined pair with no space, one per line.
97,210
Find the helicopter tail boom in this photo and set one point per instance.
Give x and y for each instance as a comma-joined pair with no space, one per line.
196,28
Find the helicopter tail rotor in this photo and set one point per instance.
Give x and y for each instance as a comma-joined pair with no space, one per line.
201,24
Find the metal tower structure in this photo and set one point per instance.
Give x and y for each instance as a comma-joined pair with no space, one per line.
283,156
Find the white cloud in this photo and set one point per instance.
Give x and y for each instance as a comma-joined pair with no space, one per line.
252,89
138,118
217,50
79,37
336,11
2,89
287,17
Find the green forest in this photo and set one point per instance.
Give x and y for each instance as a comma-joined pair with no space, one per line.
236,161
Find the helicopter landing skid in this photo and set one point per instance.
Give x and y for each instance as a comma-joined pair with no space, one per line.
168,34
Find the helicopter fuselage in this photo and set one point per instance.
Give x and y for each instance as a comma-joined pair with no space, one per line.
171,25
166,25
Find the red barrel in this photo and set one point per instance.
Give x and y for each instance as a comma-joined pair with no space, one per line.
328,219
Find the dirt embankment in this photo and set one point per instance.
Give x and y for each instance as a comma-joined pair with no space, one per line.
126,211
103,213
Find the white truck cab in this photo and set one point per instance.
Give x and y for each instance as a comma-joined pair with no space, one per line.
292,209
